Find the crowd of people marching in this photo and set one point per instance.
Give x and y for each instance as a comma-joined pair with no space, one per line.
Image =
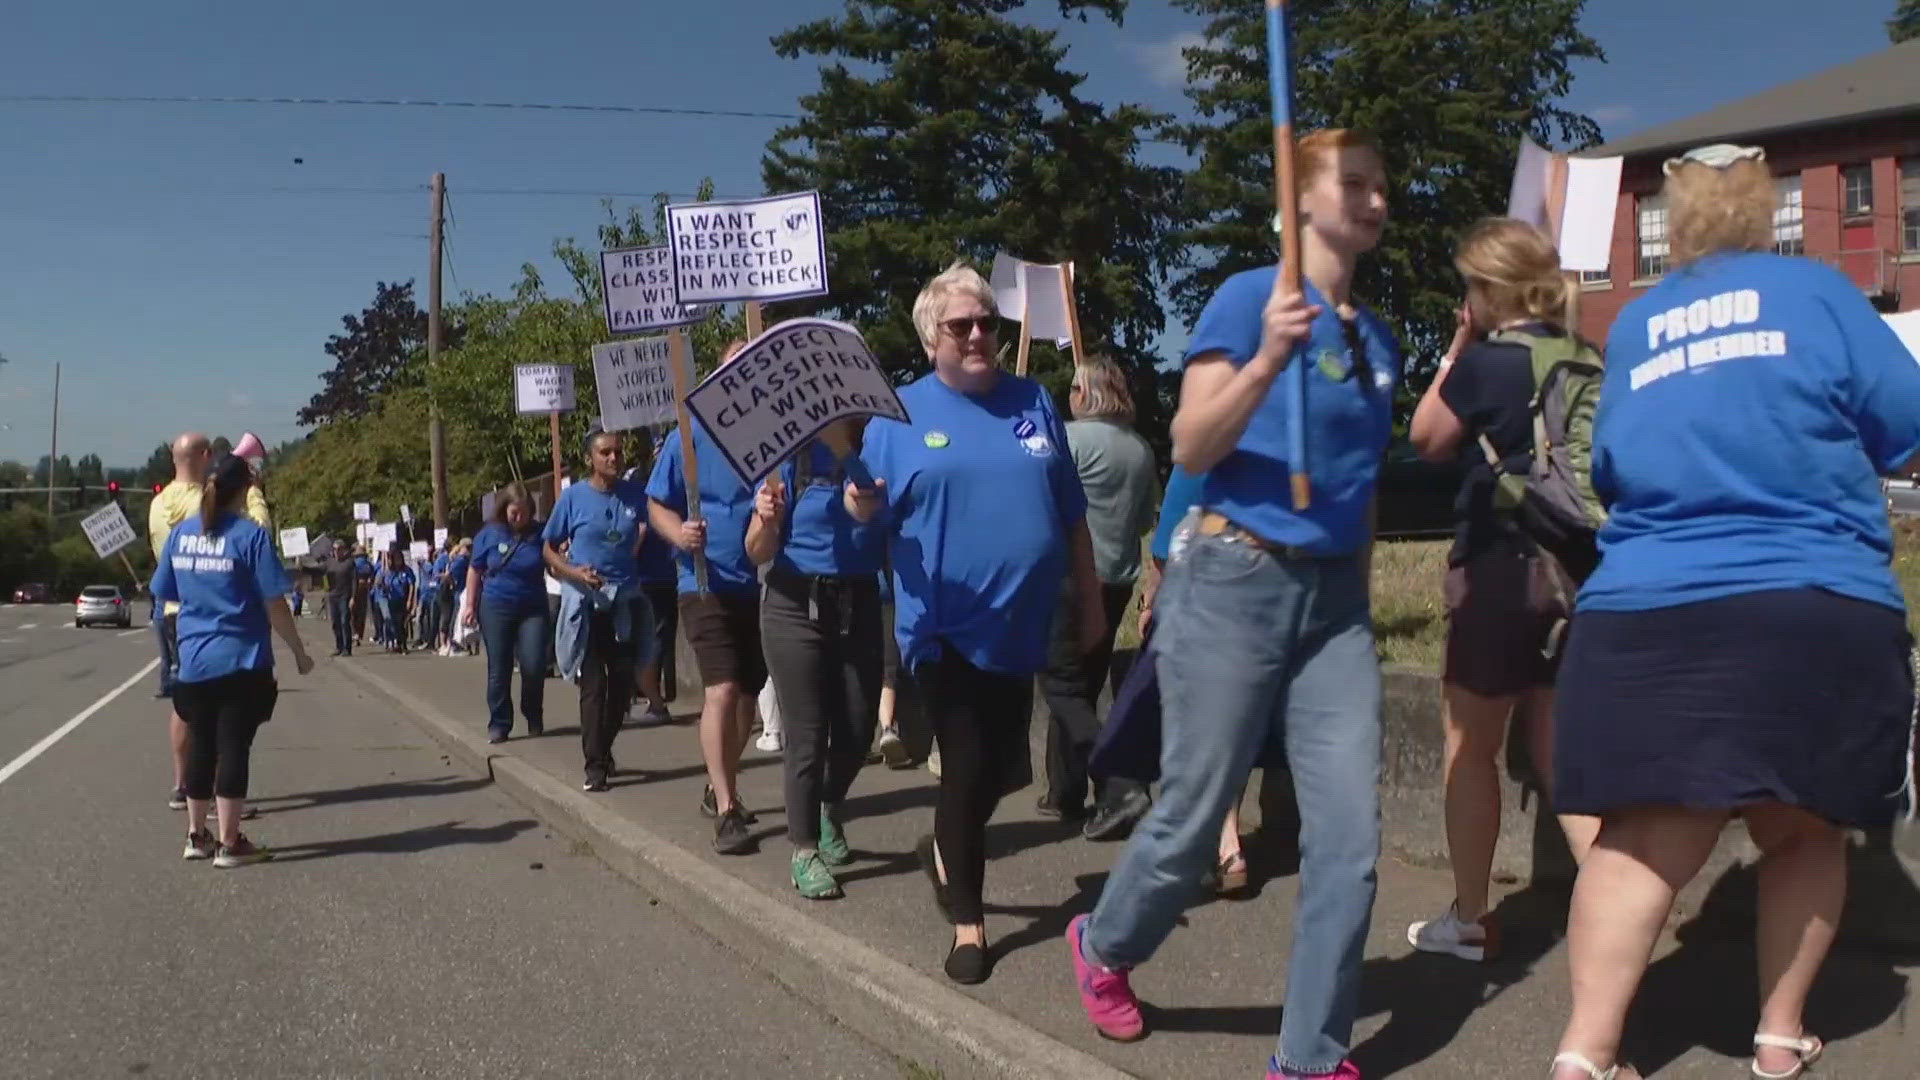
1740,647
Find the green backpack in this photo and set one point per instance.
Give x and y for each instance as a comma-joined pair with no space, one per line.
1553,503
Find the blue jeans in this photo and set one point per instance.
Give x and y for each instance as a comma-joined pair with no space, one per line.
1252,647
340,613
169,648
514,635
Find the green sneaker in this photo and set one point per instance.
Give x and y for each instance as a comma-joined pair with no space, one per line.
833,842
812,878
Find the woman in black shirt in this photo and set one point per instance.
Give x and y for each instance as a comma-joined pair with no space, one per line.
1500,619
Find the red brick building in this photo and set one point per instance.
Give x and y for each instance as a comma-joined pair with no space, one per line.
1844,147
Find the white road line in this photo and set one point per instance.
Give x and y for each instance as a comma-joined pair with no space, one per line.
129,633
30,626
60,732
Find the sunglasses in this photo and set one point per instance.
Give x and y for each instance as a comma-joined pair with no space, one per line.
964,328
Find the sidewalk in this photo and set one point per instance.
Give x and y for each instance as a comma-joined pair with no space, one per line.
1213,993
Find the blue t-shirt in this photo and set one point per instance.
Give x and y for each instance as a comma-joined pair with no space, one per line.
1183,494
397,583
656,555
364,567
1751,403
727,503
604,527
454,580
1349,416
983,498
821,537
430,571
222,582
511,568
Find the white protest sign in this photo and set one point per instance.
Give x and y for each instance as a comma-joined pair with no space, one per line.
417,551
440,539
748,249
488,504
635,381
638,285
363,511
406,513
1906,326
543,388
1586,196
1586,224
784,387
107,530
293,543
1034,293
386,535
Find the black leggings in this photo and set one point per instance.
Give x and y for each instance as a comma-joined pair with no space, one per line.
821,637
222,715
606,689
980,721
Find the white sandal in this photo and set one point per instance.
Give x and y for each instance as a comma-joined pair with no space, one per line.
1579,1061
1808,1047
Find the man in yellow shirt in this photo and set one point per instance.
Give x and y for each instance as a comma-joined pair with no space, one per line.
192,454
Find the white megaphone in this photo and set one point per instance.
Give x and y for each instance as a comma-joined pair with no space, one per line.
250,448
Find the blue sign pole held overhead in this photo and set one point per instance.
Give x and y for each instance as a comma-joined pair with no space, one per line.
1287,195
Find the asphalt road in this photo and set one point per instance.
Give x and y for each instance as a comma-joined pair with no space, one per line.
416,923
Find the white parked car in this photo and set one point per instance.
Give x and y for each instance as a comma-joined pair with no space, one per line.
99,604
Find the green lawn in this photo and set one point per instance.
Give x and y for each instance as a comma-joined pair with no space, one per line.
1409,618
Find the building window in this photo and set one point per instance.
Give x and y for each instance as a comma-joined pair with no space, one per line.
1856,190
1789,222
1595,277
1910,204
1653,237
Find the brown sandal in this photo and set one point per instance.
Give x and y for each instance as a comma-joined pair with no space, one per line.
1230,875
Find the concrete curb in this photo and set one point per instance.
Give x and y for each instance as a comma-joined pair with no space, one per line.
899,1009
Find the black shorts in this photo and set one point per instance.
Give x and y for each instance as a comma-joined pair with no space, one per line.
723,630
1500,624
1795,696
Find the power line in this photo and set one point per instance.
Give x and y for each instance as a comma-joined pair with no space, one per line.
533,106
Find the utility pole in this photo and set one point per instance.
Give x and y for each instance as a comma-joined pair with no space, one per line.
436,436
53,450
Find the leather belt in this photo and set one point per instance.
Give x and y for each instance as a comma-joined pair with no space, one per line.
1216,524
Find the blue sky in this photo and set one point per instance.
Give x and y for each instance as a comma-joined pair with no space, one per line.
185,272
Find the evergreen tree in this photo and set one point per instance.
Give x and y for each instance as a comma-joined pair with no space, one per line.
1448,86
946,130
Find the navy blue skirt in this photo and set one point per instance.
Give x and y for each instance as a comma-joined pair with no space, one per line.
1800,696
1129,744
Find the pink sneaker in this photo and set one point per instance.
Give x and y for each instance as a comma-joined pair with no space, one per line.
1105,994
1346,1071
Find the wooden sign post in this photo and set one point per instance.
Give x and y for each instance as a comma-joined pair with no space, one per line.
1073,314
690,468
1556,218
1026,324
1287,194
554,428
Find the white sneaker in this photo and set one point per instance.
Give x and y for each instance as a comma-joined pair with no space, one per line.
892,750
1449,934
771,742
933,762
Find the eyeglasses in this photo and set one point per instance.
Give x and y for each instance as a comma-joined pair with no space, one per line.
964,328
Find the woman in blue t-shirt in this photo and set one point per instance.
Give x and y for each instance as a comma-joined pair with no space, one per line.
506,597
224,572
820,627
1742,649
606,628
985,520
397,591
1262,630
